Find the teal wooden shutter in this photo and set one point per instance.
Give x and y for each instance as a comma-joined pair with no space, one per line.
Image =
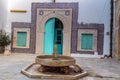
21,39
87,41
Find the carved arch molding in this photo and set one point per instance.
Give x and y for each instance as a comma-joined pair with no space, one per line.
65,15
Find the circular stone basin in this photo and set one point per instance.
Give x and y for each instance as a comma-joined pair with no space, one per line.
61,61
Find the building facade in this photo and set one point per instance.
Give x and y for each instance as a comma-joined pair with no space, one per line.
45,31
77,27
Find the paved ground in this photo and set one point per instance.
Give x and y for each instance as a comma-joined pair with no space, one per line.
98,69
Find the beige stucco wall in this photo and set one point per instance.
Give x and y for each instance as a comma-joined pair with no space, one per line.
117,30
3,13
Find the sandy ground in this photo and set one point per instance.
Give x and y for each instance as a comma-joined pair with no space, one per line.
98,69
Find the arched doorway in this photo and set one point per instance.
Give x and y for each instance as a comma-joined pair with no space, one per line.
40,29
53,34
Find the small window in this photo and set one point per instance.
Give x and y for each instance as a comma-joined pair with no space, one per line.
87,41
21,39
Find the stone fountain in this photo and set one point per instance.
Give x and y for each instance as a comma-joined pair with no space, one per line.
54,67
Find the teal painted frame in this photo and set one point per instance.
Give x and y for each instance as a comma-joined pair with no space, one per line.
21,39
79,39
16,30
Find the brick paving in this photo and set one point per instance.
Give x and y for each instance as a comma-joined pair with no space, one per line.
98,69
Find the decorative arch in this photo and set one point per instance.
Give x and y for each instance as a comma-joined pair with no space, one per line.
51,15
67,24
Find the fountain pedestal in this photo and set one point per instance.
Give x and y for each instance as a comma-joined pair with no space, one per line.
54,69
47,62
54,66
55,62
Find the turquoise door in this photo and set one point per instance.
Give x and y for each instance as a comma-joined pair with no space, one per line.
49,36
53,35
